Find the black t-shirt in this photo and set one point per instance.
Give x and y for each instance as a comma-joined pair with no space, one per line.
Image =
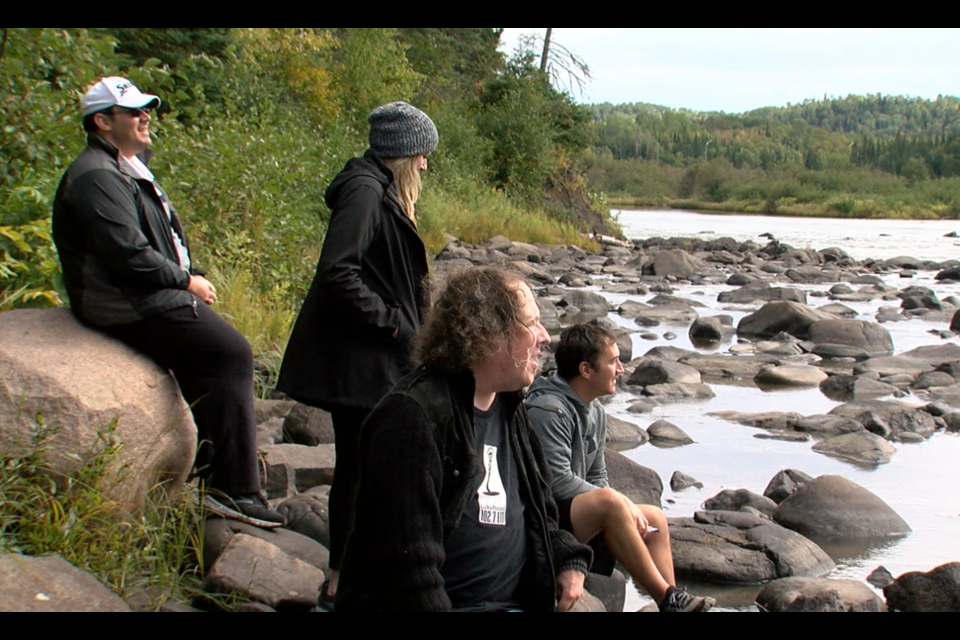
486,553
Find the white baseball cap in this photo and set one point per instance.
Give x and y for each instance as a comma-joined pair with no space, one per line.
114,91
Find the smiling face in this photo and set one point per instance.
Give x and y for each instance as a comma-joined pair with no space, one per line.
515,364
601,376
126,129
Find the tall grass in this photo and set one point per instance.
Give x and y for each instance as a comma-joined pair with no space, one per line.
157,551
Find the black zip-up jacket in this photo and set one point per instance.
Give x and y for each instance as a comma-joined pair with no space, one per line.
418,467
115,243
370,283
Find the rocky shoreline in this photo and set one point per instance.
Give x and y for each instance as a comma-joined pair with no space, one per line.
787,336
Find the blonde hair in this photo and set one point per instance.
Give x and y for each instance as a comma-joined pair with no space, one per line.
406,174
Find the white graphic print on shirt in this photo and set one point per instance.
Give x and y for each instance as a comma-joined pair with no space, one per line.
491,495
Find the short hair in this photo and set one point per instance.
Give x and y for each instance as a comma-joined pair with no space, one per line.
477,308
581,343
89,124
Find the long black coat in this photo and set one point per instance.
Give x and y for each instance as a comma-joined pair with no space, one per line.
370,283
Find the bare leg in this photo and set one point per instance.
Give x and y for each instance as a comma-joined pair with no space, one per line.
609,512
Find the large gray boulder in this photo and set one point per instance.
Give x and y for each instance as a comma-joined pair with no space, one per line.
888,419
936,590
585,301
674,263
640,484
774,317
793,375
833,507
869,336
738,499
84,385
786,482
663,372
732,547
818,595
52,585
762,293
862,446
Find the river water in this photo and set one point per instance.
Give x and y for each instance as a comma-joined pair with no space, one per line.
922,483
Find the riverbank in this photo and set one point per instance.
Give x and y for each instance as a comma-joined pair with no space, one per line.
847,209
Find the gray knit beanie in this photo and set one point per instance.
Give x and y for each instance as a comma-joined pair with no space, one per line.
399,130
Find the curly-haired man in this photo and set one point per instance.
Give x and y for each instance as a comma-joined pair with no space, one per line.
454,511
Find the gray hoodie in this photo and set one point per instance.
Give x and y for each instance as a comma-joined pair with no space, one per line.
573,434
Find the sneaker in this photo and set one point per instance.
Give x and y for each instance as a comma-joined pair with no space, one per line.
679,601
251,509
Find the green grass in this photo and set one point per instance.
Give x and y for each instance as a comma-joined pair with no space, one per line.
157,551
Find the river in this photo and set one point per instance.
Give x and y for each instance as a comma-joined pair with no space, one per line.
922,483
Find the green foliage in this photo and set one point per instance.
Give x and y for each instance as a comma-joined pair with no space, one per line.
44,513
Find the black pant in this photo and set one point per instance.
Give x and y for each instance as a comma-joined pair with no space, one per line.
346,477
213,365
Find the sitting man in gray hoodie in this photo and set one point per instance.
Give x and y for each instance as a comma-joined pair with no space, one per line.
566,414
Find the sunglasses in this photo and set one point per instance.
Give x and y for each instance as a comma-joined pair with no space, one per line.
133,113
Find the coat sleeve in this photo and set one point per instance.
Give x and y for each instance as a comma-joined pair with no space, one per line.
354,224
107,205
555,430
399,528
597,473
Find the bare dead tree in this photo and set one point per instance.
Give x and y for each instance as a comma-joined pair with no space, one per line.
545,56
565,68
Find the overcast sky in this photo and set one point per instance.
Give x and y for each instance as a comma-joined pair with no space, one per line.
736,70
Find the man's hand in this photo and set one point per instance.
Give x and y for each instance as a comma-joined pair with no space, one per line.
203,289
570,588
638,518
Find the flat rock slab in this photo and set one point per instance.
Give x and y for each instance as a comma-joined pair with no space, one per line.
888,419
742,548
732,367
936,590
51,584
218,533
893,365
311,466
678,392
869,336
256,570
819,595
833,507
860,447
790,376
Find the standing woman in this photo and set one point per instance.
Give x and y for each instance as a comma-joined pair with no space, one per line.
352,339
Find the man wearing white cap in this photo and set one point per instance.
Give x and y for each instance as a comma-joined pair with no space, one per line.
127,270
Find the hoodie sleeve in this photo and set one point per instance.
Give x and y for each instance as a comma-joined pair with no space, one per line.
354,224
597,473
555,428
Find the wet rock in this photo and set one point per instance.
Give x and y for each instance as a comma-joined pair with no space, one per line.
846,388
623,432
762,292
935,355
741,279
51,584
837,351
933,379
893,365
773,420
255,569
737,499
731,547
936,590
680,481
833,507
585,301
782,436
827,425
949,395
785,483
678,392
665,300
674,263
890,314
668,314
868,336
308,514
308,426
888,419
818,595
640,484
663,432
955,322
709,330
880,578
902,262
790,376
839,310
951,274
860,446
663,371
631,308
813,275
722,366
774,317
